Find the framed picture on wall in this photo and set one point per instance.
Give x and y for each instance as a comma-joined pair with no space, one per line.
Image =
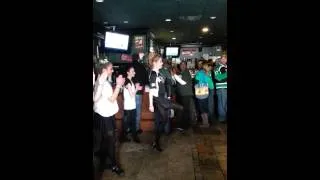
138,41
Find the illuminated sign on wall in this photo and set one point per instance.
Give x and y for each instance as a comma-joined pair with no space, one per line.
126,57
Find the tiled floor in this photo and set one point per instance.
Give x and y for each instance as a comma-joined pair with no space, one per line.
210,154
197,154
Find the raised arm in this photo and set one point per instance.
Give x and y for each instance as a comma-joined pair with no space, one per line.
119,82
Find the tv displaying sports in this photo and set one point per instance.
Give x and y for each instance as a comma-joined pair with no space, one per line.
116,41
172,51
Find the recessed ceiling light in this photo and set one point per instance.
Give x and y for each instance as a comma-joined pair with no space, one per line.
168,20
125,22
205,29
173,38
171,31
99,0
212,17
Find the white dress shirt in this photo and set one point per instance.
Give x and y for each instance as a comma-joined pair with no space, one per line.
103,105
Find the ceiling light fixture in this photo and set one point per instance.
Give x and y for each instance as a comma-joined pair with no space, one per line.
125,22
99,0
205,29
168,20
171,31
212,17
173,38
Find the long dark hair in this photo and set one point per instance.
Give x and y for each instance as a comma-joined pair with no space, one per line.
128,69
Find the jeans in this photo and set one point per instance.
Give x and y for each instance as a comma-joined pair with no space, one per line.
129,122
138,110
167,126
211,105
222,104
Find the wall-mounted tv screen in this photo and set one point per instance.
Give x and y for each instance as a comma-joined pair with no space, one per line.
172,51
116,41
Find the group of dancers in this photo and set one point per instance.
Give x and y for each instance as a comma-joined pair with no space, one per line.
105,107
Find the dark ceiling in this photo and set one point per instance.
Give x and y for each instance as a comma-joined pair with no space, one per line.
188,18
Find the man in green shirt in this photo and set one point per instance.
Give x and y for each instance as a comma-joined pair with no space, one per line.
221,75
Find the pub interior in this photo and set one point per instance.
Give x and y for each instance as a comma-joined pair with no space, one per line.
192,33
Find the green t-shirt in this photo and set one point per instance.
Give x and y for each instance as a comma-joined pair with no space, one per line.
221,77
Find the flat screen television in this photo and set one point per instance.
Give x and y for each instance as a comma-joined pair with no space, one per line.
172,51
116,41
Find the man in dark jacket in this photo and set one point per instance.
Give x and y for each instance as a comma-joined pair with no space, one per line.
165,71
185,95
141,77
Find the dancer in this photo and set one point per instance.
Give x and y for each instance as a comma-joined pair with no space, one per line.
129,94
158,101
105,107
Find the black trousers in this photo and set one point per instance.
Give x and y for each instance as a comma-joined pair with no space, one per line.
161,117
184,116
129,122
104,139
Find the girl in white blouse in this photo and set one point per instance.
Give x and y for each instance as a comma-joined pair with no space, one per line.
129,94
105,108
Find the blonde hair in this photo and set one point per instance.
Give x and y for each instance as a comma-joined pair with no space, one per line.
104,66
152,58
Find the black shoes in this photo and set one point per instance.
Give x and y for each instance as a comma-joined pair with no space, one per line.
118,171
181,130
124,139
157,147
139,131
223,122
136,139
